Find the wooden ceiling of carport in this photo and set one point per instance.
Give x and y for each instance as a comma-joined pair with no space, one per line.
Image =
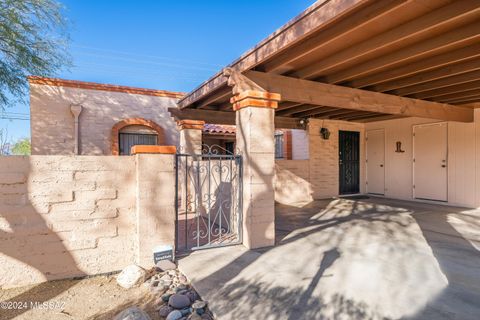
417,49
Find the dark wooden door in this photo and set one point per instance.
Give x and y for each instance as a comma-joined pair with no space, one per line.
349,161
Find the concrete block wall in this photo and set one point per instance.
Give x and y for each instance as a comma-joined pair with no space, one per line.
52,123
67,216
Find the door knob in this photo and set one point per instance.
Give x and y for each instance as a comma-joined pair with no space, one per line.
381,165
444,166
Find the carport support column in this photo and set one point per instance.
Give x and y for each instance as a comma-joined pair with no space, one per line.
190,136
255,131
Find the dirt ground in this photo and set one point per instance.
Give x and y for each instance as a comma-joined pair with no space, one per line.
98,297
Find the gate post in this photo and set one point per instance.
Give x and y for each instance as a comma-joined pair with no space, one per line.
155,200
255,131
190,136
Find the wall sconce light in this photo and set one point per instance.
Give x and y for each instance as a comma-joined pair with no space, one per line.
325,133
399,147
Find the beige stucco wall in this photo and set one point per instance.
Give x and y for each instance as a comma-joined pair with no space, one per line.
65,216
462,163
52,123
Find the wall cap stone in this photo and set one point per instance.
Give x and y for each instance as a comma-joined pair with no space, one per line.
142,149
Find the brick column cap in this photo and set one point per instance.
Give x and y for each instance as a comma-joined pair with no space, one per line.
190,124
253,98
139,149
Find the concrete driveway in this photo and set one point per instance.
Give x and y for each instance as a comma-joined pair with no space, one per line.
350,259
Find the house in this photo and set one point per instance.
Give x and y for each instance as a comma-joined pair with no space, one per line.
86,118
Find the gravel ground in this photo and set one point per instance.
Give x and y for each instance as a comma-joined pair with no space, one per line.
98,297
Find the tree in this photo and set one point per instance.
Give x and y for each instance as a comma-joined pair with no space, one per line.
22,147
33,40
4,145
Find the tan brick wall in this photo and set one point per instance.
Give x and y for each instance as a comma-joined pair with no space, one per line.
323,164
64,216
52,124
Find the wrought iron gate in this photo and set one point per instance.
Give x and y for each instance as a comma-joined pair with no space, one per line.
208,199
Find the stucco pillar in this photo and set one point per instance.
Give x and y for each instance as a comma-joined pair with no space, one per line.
190,136
255,133
76,109
155,200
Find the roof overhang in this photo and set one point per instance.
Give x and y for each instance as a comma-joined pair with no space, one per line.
392,53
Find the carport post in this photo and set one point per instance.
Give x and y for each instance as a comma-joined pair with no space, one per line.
255,130
190,136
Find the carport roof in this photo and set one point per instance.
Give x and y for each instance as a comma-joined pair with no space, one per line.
349,50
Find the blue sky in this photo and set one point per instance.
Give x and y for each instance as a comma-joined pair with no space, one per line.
170,45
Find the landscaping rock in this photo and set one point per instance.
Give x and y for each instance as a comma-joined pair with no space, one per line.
199,304
192,295
179,301
165,265
174,315
132,313
131,276
195,316
164,311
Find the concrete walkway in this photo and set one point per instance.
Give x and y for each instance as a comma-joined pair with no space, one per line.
346,259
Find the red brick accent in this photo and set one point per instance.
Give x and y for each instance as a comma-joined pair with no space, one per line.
103,87
287,144
138,149
134,121
256,99
190,124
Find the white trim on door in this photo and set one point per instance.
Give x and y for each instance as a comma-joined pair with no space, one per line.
413,160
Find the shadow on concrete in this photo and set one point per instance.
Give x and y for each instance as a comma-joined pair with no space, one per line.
376,260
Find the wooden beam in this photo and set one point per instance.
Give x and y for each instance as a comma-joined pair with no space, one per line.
458,95
378,118
409,32
333,113
311,92
440,60
287,105
357,20
298,109
448,90
316,112
470,97
314,18
228,118
419,50
440,83
215,98
443,72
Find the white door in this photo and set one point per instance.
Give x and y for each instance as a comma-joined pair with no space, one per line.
430,161
376,161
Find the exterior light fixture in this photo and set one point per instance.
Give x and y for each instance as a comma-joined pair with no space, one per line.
325,133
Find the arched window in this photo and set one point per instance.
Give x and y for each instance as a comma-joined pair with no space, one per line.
135,131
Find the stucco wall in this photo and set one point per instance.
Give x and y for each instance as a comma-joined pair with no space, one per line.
52,123
461,159
65,216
